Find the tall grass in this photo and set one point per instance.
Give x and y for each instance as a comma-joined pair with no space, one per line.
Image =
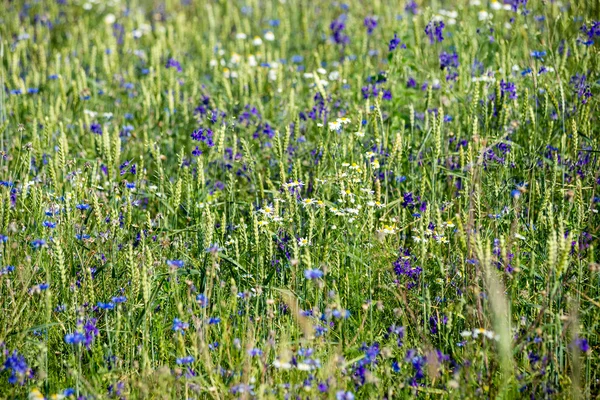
290,199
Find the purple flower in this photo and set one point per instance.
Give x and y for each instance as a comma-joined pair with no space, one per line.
370,24
435,31
448,60
582,343
509,89
255,352
411,7
173,63
394,43
592,30
204,135
579,83
337,27
515,4
342,395
96,128
196,152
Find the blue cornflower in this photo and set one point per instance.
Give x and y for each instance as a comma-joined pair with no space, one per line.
214,320
313,273
126,130
538,54
255,352
38,243
342,395
213,346
74,338
96,128
106,306
82,206
214,248
119,299
7,270
49,224
202,300
184,360
340,313
175,263
242,388
179,325
526,71
320,330
17,365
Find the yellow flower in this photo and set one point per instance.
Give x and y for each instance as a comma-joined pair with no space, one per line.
308,202
35,394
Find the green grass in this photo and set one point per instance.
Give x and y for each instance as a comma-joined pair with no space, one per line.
450,231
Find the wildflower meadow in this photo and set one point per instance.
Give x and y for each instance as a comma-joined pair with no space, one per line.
295,199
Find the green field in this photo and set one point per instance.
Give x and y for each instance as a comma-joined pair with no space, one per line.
294,199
